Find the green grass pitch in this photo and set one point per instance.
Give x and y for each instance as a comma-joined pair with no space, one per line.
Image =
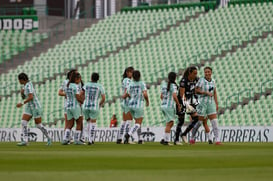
151,161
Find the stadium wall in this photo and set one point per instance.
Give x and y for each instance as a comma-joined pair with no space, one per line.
149,134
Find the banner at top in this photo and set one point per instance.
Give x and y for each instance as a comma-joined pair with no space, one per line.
19,23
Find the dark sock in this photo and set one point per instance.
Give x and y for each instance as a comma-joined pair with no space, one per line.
180,123
188,129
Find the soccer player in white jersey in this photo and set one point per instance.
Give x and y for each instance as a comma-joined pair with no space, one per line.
126,115
73,108
137,92
91,106
168,105
32,109
208,106
62,93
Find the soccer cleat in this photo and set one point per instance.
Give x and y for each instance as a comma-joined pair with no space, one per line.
166,143
126,140
184,138
177,143
119,141
78,143
218,143
192,141
49,142
23,143
162,142
210,142
140,142
91,143
65,142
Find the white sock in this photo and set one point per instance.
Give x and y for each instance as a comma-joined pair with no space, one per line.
208,135
43,129
134,129
215,129
92,132
24,135
195,129
121,129
82,136
139,133
128,126
167,137
77,135
67,134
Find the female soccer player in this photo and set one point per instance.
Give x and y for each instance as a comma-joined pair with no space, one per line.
32,109
74,99
169,100
91,106
188,99
62,93
137,92
127,116
206,88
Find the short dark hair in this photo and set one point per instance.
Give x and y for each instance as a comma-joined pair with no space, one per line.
208,68
95,77
23,76
136,75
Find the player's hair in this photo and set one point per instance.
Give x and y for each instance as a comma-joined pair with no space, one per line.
75,75
208,68
171,79
136,75
128,69
188,71
68,75
95,77
23,76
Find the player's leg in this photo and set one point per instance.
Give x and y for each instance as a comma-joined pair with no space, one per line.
181,120
169,117
207,130
37,114
212,115
92,126
201,112
138,116
194,118
82,136
167,134
69,126
24,135
78,132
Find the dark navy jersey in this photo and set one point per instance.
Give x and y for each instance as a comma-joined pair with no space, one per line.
189,87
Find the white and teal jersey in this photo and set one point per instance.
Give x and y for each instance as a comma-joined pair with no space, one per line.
207,86
93,92
63,87
168,101
125,84
34,103
135,90
71,100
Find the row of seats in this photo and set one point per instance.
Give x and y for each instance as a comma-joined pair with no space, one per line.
14,42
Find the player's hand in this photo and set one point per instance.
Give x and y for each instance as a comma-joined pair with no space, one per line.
147,104
178,108
19,105
217,107
209,94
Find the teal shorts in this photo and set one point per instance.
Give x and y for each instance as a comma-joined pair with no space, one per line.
73,113
35,113
205,109
91,114
125,108
137,112
169,114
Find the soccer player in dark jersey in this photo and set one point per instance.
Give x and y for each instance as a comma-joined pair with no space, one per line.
188,99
